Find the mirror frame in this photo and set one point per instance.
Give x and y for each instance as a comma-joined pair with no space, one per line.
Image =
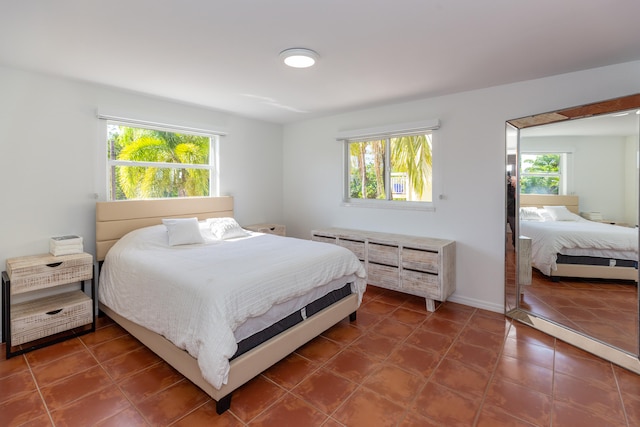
599,348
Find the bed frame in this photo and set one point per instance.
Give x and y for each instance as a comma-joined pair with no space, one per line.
117,218
577,270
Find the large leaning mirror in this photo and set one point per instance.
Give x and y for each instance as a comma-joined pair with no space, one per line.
572,198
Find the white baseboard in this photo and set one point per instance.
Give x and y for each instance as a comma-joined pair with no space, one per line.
497,308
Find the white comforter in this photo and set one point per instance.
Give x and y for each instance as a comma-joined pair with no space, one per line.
196,295
581,237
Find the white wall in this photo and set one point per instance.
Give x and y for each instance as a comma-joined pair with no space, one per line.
596,171
51,157
469,167
632,180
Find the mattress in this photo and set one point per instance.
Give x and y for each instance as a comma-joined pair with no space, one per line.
591,260
292,319
279,311
198,296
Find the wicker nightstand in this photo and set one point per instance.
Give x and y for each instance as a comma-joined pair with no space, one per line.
26,323
277,229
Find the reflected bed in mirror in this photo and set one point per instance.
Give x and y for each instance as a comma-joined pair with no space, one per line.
565,244
576,173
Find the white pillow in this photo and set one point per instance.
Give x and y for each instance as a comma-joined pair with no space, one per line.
530,214
560,213
226,228
546,216
183,231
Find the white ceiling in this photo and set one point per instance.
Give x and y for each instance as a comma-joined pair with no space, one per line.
223,54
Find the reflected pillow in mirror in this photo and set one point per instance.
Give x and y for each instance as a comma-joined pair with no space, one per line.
530,214
561,213
546,216
226,228
183,231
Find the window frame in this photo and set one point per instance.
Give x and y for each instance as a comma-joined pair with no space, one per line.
212,166
386,133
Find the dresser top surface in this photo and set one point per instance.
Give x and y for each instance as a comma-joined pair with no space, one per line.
384,238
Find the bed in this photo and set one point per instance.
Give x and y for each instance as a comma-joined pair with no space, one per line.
563,244
262,308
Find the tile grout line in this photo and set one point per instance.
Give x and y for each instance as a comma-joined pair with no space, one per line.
287,391
323,364
553,381
114,382
343,347
619,389
441,358
35,381
424,380
492,376
400,342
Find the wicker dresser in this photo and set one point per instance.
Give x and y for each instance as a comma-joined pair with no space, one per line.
37,316
419,266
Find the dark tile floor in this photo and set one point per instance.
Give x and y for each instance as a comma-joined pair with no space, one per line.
397,365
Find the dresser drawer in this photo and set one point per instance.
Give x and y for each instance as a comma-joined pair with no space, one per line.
47,316
30,273
425,283
355,246
383,254
383,276
325,239
421,260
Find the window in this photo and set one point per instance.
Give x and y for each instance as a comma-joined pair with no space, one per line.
542,173
395,168
149,162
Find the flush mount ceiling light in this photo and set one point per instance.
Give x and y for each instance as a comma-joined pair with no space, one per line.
299,57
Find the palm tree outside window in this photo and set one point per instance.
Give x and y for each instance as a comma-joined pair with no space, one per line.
149,163
394,169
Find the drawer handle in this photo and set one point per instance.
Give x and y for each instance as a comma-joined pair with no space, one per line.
54,264
52,312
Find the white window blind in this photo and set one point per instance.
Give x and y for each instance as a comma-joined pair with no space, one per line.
389,130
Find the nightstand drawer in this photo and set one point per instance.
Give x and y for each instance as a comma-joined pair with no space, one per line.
47,316
30,273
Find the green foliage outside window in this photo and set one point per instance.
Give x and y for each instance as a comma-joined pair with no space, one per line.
135,178
410,162
540,174
367,170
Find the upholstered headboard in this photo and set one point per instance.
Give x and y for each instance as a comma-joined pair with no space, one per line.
540,200
117,218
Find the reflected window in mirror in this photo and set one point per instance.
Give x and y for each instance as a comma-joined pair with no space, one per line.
542,173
